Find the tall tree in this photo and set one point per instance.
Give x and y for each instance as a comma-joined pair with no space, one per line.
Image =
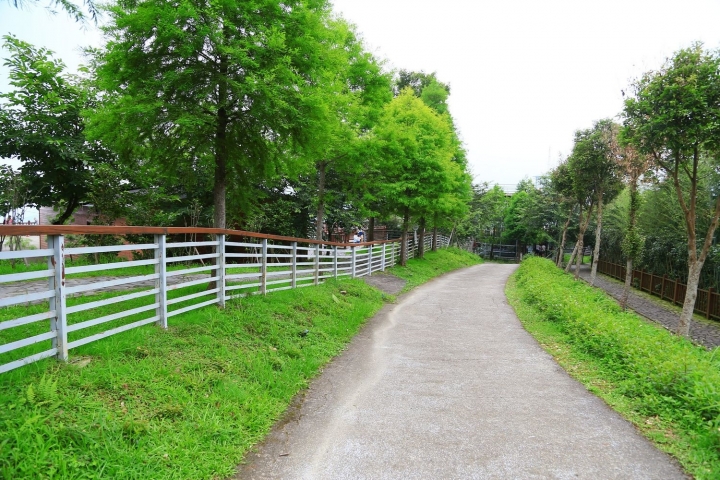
41,125
414,151
588,166
607,184
674,115
561,184
351,98
632,165
230,84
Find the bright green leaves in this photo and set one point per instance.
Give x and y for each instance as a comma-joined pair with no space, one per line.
677,108
227,84
414,161
40,125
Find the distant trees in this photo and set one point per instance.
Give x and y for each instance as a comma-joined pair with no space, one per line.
593,178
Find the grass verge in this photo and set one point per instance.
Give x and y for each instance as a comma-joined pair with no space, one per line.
668,388
185,403
419,271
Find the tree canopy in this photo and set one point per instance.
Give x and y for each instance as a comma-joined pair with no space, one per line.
230,84
41,125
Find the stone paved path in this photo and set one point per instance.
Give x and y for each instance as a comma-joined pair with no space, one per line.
703,332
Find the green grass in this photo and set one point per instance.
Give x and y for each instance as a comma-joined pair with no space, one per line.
419,271
185,403
585,260
666,386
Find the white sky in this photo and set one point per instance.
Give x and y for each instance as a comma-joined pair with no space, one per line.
524,74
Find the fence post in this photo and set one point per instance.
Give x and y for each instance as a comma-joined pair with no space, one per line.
161,282
352,261
642,274
709,301
220,262
316,281
652,284
263,268
57,282
392,254
675,288
370,252
293,283
382,261
335,261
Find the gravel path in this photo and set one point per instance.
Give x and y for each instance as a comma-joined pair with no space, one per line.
702,332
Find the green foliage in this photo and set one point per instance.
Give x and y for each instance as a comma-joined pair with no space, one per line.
659,375
674,117
591,165
484,220
414,165
417,81
228,86
41,125
435,96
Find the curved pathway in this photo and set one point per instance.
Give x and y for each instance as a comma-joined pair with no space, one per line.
447,384
703,332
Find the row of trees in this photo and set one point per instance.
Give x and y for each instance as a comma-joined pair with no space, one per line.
664,158
268,116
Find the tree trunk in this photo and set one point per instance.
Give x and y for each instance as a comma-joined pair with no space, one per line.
219,187
371,230
561,253
421,240
574,252
434,239
632,214
404,238
571,259
628,283
581,242
596,250
67,213
683,327
221,158
321,200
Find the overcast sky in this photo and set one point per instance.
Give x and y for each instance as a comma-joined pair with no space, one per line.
524,75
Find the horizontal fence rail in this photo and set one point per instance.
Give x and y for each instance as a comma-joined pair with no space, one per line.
63,303
707,302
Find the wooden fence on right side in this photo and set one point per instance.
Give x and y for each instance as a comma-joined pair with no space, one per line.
707,302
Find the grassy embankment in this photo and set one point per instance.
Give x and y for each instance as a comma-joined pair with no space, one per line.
666,386
188,402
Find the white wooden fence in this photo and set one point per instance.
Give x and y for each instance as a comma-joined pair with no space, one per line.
254,264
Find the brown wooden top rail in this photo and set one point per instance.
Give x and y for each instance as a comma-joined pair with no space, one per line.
29,230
